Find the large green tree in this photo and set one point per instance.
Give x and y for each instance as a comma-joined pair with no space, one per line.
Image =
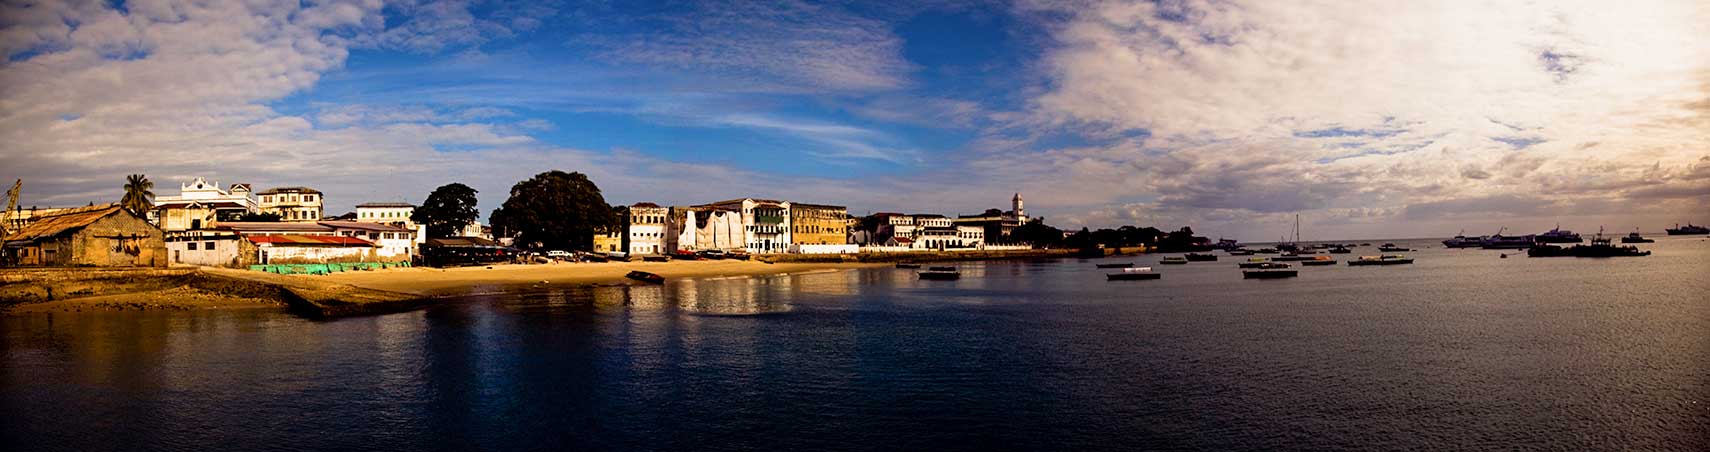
554,210
139,194
447,210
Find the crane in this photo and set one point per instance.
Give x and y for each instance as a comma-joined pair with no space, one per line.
11,206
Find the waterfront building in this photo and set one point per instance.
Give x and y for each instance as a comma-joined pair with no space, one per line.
998,224
392,242
766,222
644,228
608,242
704,228
201,205
816,224
94,236
240,244
295,204
389,213
20,217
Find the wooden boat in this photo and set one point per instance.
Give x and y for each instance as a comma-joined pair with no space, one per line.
1134,274
1174,260
1197,257
645,277
907,265
942,269
1121,265
1271,270
1319,261
1257,262
1241,252
1340,250
1391,248
1387,259
940,274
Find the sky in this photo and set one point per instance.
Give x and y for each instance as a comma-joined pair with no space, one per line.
1365,119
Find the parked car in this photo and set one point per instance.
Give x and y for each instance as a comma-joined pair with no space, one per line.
559,254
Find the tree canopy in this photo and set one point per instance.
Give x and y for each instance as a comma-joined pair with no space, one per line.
554,210
139,194
447,210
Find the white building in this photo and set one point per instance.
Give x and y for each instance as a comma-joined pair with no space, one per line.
395,242
766,222
294,204
392,213
201,205
704,228
644,231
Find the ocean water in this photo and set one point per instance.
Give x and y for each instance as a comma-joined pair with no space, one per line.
1462,350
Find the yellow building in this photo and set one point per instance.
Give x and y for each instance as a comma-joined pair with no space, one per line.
609,242
814,224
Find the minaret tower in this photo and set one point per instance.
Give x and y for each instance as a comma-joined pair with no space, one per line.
1016,203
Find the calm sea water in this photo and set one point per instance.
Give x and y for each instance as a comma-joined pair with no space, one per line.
1461,350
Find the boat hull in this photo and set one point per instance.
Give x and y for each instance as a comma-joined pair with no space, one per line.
1269,274
1122,265
1317,263
645,277
1135,276
940,275
1362,263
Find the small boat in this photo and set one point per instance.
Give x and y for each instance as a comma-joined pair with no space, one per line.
1132,274
1387,259
907,265
1690,229
1365,244
1174,260
1257,262
942,269
1319,261
1121,265
656,258
1266,251
1197,257
1557,235
645,277
940,274
1241,252
1634,237
1271,270
1340,250
1462,241
1391,248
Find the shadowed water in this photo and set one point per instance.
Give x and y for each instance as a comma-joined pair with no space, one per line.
1461,350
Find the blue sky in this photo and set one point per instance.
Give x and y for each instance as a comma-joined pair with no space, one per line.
1232,116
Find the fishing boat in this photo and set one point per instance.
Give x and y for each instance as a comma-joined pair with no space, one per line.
1690,229
1391,248
1340,250
1266,251
1241,252
1387,259
1634,237
1132,274
1174,260
937,274
1499,241
907,265
1319,261
1600,247
1121,265
1557,235
1256,262
1462,241
1271,270
1197,257
942,269
645,277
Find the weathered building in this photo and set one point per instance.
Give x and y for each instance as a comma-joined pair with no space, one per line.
99,236
644,229
201,205
292,203
815,224
704,228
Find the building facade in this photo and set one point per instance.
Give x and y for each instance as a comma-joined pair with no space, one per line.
293,204
644,229
998,224
201,205
816,224
705,228
766,222
95,236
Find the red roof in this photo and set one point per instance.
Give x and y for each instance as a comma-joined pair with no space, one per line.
308,240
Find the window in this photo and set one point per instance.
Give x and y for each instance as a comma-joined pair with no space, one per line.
309,198
207,245
191,245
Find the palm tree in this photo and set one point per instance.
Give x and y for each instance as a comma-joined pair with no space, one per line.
139,194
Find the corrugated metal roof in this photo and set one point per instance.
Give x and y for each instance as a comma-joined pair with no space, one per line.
272,226
278,190
63,221
308,240
364,226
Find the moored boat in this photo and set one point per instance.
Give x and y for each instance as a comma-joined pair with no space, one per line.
1319,261
1256,262
1197,257
1271,270
1241,252
1462,241
1634,237
1600,247
1121,265
1340,250
907,265
1386,259
1266,251
1174,260
1557,235
1500,242
1131,274
942,269
1392,248
1690,229
940,274
645,277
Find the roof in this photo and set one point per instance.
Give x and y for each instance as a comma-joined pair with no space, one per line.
644,204
385,205
798,205
277,190
63,221
462,242
376,227
928,215
272,226
235,187
307,240
203,203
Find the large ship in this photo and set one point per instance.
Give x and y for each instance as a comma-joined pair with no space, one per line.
1599,247
1690,229
1462,241
1557,235
1499,241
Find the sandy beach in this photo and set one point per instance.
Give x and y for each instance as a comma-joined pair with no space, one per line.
501,278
